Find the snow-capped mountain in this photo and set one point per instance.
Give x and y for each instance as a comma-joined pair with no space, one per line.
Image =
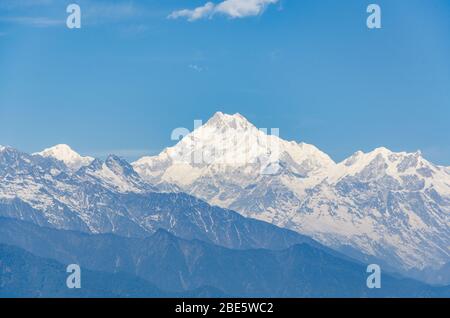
395,206
110,197
115,174
228,154
65,154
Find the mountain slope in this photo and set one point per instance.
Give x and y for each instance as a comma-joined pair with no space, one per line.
394,206
25,275
110,197
386,203
176,264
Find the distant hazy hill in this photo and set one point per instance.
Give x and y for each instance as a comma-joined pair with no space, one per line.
171,263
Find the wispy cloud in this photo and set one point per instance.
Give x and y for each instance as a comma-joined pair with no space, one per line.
46,13
28,12
41,22
133,29
17,4
196,67
230,8
105,11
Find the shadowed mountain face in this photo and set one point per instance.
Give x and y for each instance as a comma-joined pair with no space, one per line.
25,275
179,265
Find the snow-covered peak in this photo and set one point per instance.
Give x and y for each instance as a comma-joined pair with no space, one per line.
226,144
114,173
221,121
381,162
231,140
6,148
119,166
361,159
64,153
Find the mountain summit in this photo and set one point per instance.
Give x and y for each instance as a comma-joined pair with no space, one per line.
227,147
236,121
65,154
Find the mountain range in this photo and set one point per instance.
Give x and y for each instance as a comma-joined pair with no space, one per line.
384,207
394,206
109,197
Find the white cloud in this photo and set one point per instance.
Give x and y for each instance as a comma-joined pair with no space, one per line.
201,12
231,8
243,8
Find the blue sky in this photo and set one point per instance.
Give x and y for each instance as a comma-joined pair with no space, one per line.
131,75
